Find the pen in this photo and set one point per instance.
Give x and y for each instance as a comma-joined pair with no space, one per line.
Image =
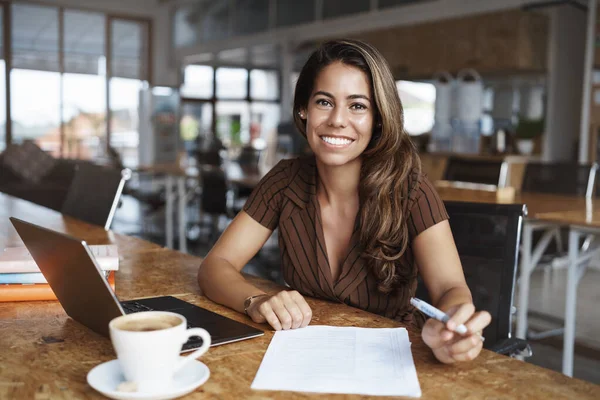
435,313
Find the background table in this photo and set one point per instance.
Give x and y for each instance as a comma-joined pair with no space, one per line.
175,175
581,222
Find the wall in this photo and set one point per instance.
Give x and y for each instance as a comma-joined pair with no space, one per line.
566,50
164,70
494,43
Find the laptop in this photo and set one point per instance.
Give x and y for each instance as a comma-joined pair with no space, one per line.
81,288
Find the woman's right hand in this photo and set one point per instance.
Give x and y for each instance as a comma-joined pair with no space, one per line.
285,310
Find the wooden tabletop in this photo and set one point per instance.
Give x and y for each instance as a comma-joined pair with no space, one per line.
585,218
46,355
539,205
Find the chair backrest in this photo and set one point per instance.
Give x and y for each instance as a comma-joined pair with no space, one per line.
489,172
487,238
209,157
214,190
568,178
94,193
249,156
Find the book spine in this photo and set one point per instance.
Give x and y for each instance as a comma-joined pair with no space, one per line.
18,259
38,291
31,277
29,267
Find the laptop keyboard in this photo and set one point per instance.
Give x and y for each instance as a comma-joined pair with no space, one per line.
131,307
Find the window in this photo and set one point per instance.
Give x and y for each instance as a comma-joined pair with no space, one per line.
198,82
83,115
264,118
124,118
241,118
129,47
58,79
196,123
35,77
129,70
84,43
35,108
487,121
264,84
232,83
418,101
233,122
34,37
84,85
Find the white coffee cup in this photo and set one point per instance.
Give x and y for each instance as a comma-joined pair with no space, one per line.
148,346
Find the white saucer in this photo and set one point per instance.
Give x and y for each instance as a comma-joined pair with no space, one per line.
107,376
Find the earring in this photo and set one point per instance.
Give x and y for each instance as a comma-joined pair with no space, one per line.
301,114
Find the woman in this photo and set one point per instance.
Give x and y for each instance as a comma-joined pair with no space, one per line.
355,220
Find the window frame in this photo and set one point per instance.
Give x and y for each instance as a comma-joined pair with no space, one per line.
108,18
214,99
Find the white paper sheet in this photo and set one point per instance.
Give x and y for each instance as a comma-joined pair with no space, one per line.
327,359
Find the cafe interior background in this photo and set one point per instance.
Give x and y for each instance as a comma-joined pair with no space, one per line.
142,82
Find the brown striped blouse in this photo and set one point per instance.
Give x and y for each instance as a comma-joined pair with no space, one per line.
286,198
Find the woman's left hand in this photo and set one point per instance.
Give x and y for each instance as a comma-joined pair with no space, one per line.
449,346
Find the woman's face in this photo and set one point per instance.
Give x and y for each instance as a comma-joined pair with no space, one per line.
339,116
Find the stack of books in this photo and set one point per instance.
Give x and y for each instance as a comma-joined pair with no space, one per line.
21,279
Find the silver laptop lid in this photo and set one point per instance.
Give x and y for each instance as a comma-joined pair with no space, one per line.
73,274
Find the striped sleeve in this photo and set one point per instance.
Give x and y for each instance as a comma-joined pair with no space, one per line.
264,204
426,208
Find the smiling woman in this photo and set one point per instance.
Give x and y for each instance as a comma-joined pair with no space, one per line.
340,126
357,220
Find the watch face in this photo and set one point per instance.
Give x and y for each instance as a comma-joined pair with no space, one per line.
249,301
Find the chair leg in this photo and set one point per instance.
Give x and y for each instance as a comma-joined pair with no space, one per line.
525,273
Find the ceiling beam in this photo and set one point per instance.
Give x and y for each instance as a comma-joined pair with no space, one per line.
403,15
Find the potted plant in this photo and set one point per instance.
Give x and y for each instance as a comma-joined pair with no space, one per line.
527,130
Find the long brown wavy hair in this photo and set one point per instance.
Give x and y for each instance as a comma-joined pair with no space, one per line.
387,162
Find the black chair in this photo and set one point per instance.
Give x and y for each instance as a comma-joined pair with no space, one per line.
215,196
565,178
249,156
94,193
489,172
211,157
487,238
